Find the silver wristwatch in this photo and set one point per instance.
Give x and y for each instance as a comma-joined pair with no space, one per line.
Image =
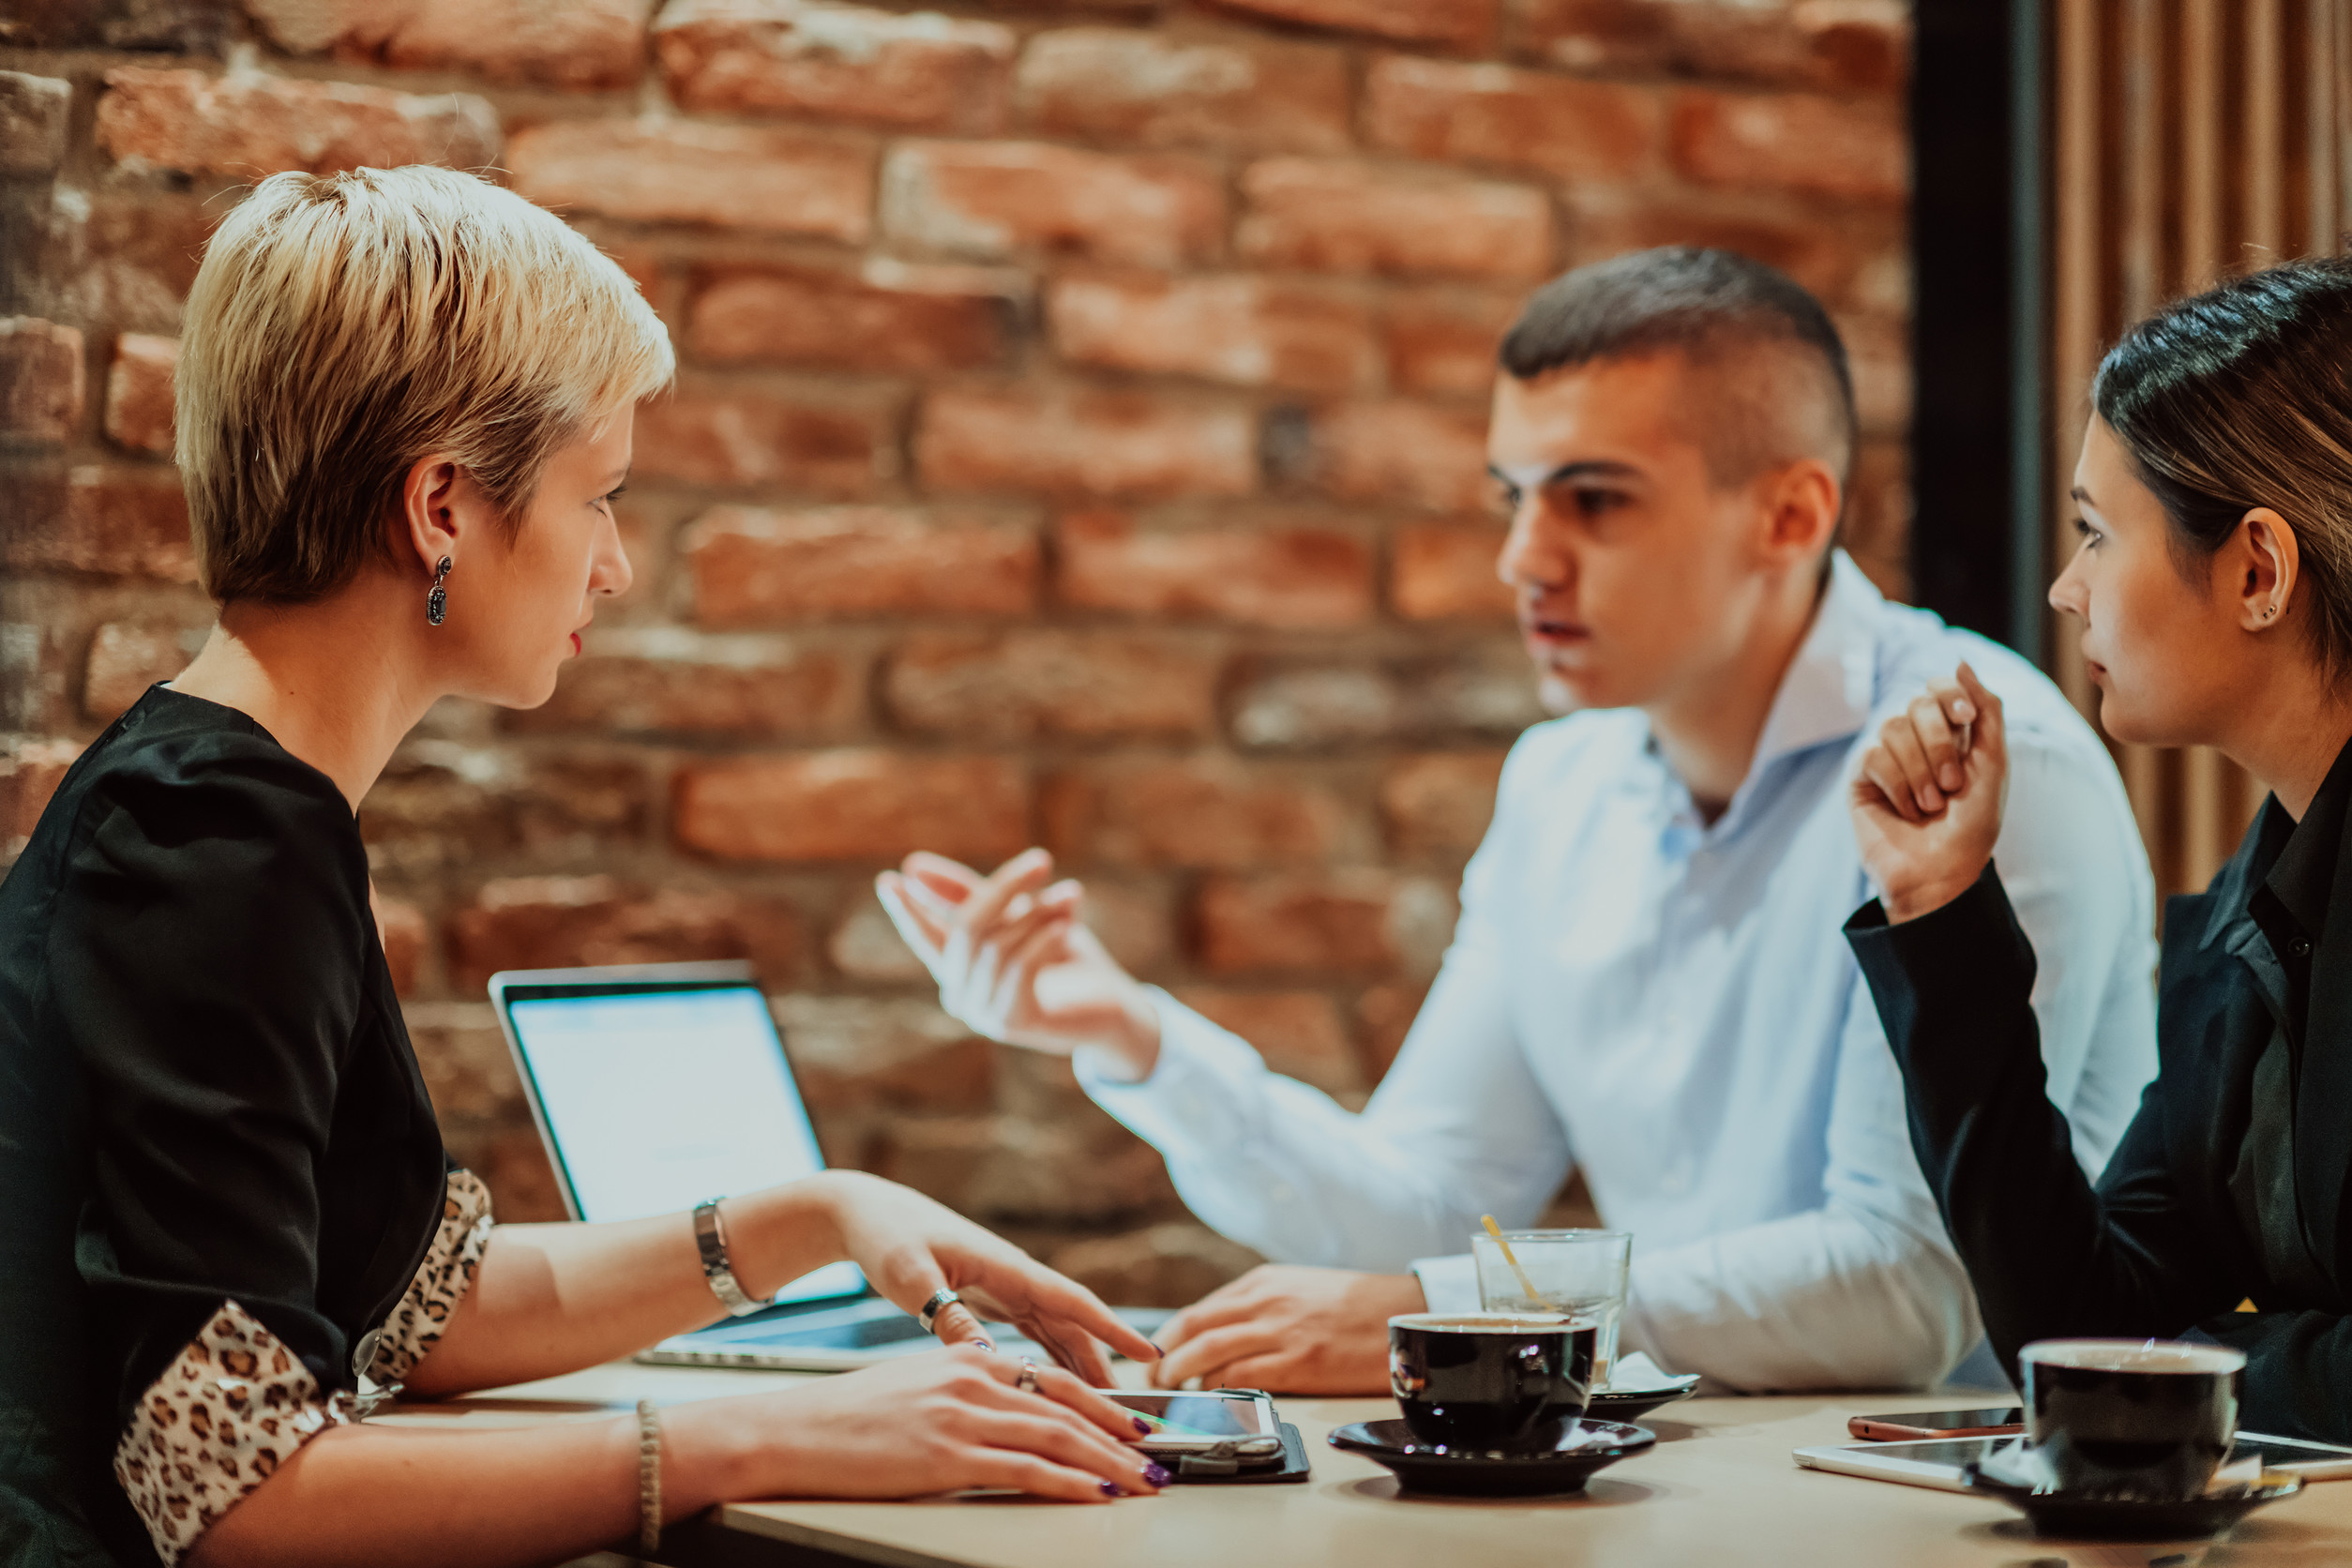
711,1241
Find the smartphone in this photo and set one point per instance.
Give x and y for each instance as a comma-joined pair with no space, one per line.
1923,1425
1196,1423
1939,1463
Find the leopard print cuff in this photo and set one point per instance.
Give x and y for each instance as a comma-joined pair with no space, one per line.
232,1408
416,1323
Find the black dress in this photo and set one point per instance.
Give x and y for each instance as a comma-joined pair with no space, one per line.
2230,1184
206,1097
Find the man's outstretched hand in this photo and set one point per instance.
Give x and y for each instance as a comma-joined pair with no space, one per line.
1015,961
1288,1329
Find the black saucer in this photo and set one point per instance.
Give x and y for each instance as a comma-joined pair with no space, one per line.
1422,1467
2128,1519
1634,1403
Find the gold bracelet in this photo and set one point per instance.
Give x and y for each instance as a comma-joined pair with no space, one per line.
648,1479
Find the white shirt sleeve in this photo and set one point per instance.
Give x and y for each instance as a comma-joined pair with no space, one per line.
1459,1126
1866,1290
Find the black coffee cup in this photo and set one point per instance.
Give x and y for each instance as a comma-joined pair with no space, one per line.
1490,1380
2146,1418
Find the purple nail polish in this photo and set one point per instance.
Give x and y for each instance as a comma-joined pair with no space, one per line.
1157,1474
1143,1427
986,1344
1112,1489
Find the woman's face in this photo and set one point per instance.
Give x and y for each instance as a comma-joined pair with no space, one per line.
518,608
2163,648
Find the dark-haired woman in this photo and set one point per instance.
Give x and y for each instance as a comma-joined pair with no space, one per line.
2214,583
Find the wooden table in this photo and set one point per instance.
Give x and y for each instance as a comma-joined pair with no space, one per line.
1719,1489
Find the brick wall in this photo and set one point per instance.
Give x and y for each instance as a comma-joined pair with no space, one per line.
1078,440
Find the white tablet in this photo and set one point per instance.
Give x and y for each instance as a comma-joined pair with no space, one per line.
1938,1461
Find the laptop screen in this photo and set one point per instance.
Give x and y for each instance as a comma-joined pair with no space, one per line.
658,1098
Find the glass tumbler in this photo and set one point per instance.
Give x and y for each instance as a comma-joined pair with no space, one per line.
1579,1274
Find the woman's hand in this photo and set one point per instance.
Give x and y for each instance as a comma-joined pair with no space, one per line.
912,1428
1928,796
910,1248
1013,960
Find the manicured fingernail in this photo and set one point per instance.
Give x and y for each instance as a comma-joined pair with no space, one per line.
1112,1489
1964,709
1157,1475
1143,1427
986,1344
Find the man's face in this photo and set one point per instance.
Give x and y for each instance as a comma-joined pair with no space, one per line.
1631,570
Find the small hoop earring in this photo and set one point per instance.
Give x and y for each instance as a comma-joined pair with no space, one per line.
437,600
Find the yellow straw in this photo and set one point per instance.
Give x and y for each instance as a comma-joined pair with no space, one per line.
1524,1284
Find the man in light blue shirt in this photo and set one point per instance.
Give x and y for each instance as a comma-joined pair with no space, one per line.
1647,983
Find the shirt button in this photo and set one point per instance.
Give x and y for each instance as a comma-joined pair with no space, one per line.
2301,946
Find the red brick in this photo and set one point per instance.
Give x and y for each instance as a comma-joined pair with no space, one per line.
1464,24
1882,363
1823,147
1440,802
41,380
1329,216
1018,684
1330,922
1443,344
707,437
1856,45
1127,84
1877,527
33,114
855,805
884,316
401,927
30,772
1209,812
1171,1264
855,1053
128,657
1083,443
443,803
121,256
1446,571
1485,690
246,123
663,679
1385,1014
105,523
1860,262
751,567
568,922
865,945
139,392
1458,112
916,73
1250,331
1294,577
1004,1170
579,44
680,171
1403,454
1298,1033
996,199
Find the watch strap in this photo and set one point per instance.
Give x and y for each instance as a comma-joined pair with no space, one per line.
711,1240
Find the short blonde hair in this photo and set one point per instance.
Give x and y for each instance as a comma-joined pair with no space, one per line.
343,327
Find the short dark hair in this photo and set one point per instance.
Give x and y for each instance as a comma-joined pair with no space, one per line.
1706,305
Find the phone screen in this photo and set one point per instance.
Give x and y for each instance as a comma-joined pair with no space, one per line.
1197,1415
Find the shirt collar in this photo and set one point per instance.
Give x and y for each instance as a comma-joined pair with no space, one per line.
1831,684
2303,877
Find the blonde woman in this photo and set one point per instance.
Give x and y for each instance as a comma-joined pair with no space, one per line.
406,404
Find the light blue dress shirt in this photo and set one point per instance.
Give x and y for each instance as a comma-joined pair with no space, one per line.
1668,1005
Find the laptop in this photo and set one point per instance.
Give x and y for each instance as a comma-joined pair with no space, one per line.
657,1086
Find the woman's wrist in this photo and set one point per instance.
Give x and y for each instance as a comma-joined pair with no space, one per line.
777,1234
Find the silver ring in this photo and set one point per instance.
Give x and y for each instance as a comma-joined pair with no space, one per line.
1026,1382
942,1299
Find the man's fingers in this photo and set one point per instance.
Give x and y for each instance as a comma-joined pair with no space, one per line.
951,880
1205,1355
1024,873
916,928
1232,1302
1271,1373
1886,778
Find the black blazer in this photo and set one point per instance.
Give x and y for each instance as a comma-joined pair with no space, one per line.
2157,1247
206,1094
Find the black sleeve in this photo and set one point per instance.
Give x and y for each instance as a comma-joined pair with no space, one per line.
2049,1256
205,962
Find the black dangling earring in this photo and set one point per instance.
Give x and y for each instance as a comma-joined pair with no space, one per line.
437,602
